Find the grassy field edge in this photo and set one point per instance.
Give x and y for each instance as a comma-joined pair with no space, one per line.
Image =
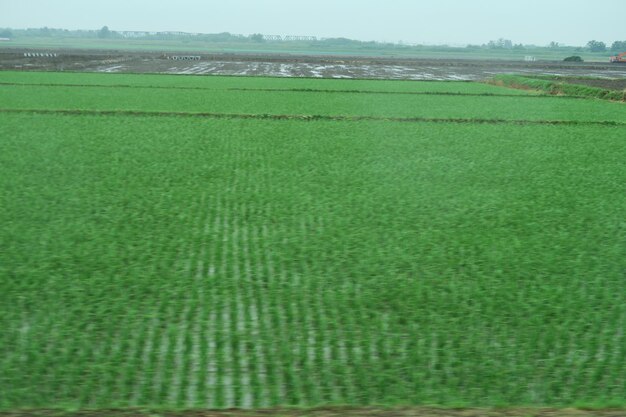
556,87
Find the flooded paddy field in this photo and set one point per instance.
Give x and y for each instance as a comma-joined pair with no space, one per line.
300,66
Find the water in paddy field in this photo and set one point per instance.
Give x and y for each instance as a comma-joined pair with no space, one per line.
310,66
390,72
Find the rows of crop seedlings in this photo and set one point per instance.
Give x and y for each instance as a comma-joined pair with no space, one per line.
221,82
310,103
179,262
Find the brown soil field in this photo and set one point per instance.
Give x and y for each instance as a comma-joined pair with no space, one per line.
331,412
298,66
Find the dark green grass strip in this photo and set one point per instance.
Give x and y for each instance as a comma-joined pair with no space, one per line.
557,87
414,93
284,90
313,117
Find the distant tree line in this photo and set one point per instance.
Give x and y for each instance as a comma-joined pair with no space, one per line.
593,46
618,46
226,37
46,32
503,44
598,46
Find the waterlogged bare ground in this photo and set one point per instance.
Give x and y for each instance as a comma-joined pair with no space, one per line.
301,66
331,412
403,70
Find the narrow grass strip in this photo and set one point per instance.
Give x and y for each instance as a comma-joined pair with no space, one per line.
313,117
555,87
281,90
411,93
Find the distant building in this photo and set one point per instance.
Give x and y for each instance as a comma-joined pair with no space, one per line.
288,38
40,54
185,58
5,39
300,38
136,34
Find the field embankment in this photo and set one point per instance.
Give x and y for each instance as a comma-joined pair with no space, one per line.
578,87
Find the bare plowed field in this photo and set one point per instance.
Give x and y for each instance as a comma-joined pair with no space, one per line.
299,66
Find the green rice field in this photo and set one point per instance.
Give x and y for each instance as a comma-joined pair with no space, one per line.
216,242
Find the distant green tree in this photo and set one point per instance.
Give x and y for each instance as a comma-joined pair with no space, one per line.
104,32
257,37
573,58
6,33
554,45
618,46
501,44
596,46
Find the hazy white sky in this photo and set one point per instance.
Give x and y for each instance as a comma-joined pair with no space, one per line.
573,22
